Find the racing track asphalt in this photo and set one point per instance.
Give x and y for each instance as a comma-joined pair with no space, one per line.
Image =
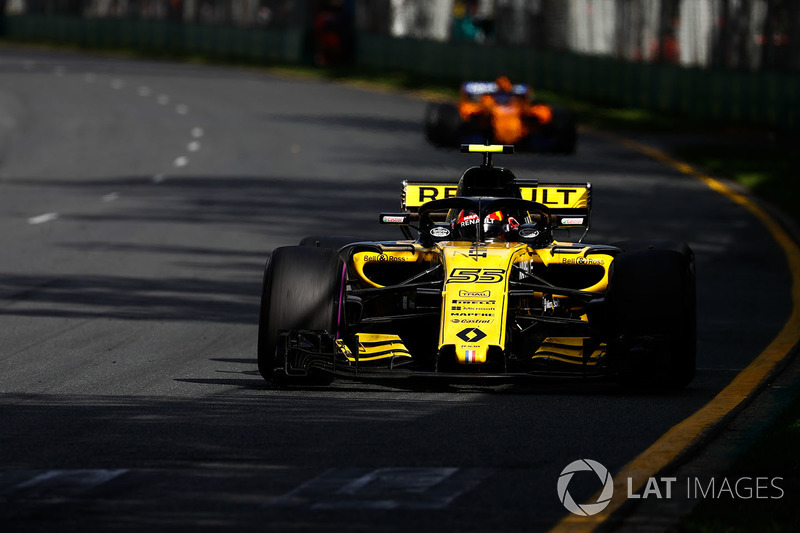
139,201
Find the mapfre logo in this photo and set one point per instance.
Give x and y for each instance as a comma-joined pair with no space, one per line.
585,465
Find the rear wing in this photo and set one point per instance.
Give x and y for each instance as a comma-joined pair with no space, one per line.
479,88
569,203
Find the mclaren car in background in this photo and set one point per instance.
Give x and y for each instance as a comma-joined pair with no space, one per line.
500,112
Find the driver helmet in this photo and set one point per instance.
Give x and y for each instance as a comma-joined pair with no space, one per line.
505,90
465,225
504,84
493,227
497,226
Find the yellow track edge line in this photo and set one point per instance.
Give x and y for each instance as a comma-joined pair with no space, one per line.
692,432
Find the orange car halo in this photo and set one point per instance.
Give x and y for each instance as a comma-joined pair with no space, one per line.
501,112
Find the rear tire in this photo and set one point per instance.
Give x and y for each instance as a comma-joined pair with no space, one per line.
565,130
634,245
442,124
302,289
333,242
652,312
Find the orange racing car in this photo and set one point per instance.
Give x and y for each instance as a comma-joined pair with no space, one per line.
501,112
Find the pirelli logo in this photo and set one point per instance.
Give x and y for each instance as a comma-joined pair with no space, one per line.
563,196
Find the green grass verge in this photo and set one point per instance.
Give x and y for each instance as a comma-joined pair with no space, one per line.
775,455
768,169
590,114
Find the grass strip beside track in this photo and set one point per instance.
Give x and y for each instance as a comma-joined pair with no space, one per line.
773,456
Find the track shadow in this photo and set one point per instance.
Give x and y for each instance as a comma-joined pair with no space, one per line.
216,462
216,280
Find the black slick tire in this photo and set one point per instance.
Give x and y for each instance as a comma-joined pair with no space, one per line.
442,124
302,288
565,130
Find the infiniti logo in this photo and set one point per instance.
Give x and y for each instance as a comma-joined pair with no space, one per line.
583,465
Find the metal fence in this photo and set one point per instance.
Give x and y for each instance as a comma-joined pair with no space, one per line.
239,13
611,67
756,35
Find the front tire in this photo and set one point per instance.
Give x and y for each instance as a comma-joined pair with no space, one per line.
302,289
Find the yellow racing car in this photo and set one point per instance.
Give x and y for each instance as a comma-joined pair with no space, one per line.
480,289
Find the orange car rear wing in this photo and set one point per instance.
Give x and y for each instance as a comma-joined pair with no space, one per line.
479,88
569,203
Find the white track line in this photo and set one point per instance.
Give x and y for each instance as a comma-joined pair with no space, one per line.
41,219
83,479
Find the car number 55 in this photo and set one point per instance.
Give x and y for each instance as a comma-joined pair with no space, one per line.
476,275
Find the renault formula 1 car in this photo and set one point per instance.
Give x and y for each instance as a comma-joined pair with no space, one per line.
478,289
499,112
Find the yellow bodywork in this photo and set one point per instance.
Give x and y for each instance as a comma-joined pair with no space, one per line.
374,346
475,296
568,350
362,259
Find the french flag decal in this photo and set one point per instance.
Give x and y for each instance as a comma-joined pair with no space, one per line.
470,356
